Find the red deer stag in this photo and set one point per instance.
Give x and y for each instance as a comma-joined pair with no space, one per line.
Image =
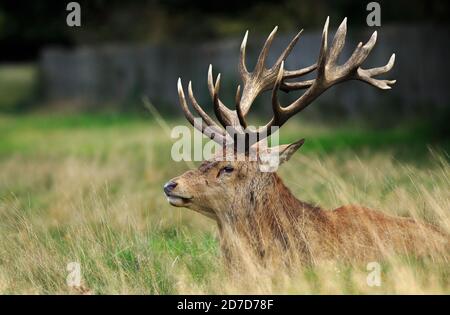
257,215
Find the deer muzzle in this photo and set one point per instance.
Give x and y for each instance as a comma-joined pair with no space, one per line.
175,199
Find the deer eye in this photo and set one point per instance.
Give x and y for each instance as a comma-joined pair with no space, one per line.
226,169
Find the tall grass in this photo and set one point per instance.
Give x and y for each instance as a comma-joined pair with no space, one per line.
89,190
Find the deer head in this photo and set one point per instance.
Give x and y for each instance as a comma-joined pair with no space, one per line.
221,187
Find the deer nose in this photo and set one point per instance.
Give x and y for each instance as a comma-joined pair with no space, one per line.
169,186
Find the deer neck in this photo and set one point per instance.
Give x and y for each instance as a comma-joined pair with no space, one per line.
268,214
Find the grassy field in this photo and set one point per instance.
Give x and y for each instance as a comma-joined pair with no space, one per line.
88,189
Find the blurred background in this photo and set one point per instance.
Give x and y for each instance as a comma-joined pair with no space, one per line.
123,51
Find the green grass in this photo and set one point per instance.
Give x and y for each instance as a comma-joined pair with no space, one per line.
17,86
30,133
88,189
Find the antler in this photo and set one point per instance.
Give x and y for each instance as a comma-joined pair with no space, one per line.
262,79
207,125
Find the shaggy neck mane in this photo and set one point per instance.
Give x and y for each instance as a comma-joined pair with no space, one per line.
265,219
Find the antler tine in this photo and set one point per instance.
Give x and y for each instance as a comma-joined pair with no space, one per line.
338,42
383,69
291,86
366,75
288,49
209,121
242,67
184,106
227,113
211,131
290,74
260,63
361,53
323,49
239,112
210,81
217,106
276,107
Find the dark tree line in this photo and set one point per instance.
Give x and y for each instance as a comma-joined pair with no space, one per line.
26,27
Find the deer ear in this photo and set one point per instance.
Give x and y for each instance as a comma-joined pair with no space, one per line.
287,150
273,157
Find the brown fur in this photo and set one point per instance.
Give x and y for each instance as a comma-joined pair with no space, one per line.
258,217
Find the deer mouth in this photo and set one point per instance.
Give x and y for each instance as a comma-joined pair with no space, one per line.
177,200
